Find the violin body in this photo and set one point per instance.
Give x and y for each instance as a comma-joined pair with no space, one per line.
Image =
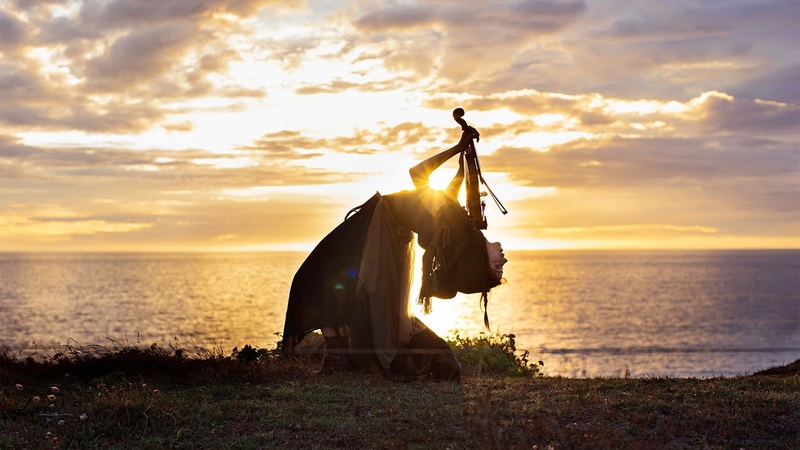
475,205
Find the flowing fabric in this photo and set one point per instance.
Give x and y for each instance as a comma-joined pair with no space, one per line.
384,281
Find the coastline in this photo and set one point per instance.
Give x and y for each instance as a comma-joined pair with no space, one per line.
585,313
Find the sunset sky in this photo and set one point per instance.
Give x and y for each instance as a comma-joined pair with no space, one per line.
255,124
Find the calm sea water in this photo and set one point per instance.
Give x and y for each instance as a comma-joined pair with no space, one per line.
584,313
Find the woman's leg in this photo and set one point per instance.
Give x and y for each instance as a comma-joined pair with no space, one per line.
336,346
426,355
328,332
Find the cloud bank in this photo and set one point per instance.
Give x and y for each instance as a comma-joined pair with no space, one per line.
130,124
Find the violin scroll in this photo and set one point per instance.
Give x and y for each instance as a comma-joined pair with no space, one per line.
458,116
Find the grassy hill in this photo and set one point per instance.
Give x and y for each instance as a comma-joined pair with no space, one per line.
254,398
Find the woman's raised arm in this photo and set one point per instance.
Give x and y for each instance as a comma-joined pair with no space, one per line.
455,184
421,172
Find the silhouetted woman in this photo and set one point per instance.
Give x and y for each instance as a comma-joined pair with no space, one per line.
354,286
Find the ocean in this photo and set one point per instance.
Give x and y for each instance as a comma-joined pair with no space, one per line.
587,313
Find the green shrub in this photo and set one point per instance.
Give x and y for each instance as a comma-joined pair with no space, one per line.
493,354
249,354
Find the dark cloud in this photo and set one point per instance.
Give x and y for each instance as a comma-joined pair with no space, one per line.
28,99
132,13
781,85
114,117
23,82
704,18
11,148
675,50
61,30
536,16
32,103
286,144
141,55
13,31
630,162
397,16
722,113
30,4
474,38
43,158
591,119
291,51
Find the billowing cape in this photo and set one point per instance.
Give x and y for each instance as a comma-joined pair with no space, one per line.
357,279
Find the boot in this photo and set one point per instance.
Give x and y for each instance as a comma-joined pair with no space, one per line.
336,358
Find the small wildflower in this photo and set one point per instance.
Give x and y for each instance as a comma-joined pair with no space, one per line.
48,434
51,397
144,385
83,417
35,399
51,406
61,422
54,389
19,387
155,391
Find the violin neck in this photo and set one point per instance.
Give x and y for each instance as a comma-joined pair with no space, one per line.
475,206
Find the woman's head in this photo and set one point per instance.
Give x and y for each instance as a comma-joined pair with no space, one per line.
472,265
460,259
478,269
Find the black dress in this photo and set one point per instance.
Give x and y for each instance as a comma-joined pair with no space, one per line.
357,280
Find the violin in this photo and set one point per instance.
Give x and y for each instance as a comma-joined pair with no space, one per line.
476,206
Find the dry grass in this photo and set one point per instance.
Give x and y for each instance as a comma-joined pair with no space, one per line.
152,398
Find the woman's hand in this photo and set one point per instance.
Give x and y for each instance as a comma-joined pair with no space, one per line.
468,135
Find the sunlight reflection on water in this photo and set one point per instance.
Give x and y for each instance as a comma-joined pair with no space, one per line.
591,313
